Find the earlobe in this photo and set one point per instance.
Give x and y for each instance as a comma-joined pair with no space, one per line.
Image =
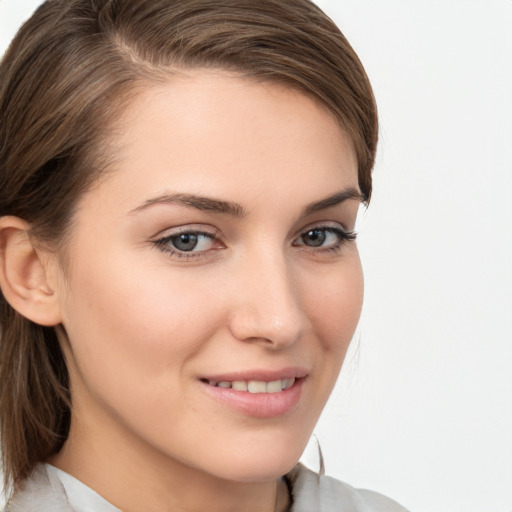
24,274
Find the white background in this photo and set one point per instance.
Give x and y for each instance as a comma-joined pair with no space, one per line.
423,411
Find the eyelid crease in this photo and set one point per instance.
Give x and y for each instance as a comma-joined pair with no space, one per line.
199,229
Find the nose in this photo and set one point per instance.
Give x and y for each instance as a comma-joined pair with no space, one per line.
267,307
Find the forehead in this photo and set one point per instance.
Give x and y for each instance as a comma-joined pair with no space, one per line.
211,132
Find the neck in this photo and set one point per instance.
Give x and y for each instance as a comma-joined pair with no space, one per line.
154,483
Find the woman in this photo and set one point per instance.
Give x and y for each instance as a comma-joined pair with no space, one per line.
180,182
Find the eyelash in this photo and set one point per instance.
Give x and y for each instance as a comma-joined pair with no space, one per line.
164,244
344,236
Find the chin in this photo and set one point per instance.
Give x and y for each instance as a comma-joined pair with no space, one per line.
259,464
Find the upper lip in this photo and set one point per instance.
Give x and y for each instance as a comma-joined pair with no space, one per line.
258,375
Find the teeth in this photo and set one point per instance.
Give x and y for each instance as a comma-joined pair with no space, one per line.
274,386
288,383
239,385
255,386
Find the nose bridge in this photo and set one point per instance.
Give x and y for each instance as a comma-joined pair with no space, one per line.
269,306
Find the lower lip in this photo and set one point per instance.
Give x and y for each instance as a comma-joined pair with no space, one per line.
259,405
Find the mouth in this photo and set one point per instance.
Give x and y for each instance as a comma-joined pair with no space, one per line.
259,394
253,386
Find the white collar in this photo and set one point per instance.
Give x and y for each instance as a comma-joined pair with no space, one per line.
80,497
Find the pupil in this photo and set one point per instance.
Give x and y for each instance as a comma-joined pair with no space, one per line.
185,242
315,237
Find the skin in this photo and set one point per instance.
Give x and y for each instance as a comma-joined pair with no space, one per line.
143,326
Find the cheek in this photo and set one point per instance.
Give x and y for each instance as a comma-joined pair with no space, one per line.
335,308
143,321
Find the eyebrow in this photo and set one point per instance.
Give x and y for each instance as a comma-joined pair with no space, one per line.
213,205
202,203
334,200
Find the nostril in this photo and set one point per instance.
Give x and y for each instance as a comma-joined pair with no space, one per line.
267,309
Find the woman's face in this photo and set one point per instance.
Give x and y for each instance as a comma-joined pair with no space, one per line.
213,284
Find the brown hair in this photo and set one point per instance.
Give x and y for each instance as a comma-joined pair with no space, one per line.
68,72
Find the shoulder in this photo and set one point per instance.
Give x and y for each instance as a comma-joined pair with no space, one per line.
312,491
39,493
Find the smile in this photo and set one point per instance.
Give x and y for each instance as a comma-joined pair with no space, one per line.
254,386
260,393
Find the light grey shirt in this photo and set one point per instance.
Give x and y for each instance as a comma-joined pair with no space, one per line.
51,490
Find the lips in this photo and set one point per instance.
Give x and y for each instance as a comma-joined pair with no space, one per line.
260,394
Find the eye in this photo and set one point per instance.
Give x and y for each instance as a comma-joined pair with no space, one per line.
188,244
316,237
325,237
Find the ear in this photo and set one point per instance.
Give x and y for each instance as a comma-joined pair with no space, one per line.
24,271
